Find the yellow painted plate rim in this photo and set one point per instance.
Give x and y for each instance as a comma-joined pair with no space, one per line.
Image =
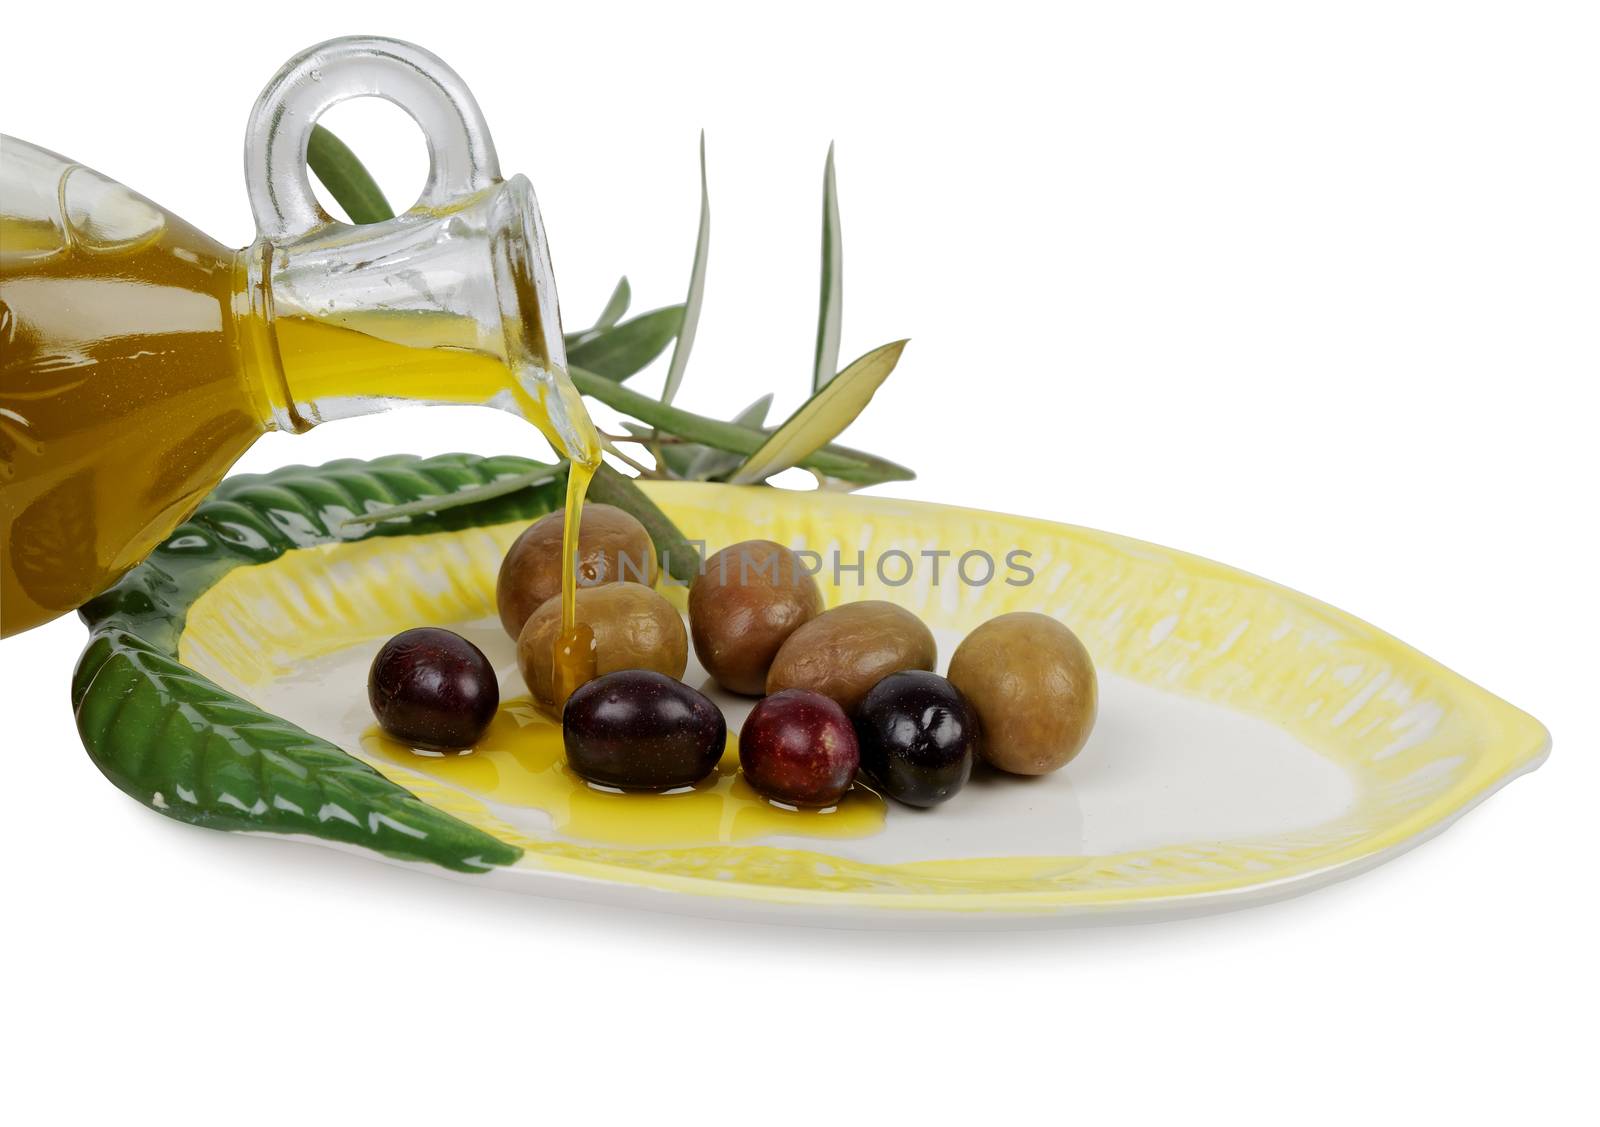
1514,743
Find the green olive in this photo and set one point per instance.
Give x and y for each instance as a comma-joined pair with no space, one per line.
612,547
634,628
1033,686
847,650
743,607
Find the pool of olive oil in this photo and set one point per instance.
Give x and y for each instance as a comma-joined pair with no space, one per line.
521,762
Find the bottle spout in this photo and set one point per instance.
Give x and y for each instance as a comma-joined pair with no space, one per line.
531,315
453,304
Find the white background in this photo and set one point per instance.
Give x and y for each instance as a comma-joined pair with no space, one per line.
1309,289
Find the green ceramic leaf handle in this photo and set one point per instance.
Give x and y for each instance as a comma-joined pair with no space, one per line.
193,751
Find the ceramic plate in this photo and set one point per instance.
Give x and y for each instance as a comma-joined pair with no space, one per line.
1252,743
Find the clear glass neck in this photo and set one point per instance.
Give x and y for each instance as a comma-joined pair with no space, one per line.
452,305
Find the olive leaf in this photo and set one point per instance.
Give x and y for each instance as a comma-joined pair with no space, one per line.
697,289
830,307
195,752
621,351
803,435
616,305
346,178
708,462
679,456
728,436
692,461
875,470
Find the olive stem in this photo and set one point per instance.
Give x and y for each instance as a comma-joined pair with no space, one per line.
642,440
642,470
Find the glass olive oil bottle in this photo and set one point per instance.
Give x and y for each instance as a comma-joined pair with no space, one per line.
139,358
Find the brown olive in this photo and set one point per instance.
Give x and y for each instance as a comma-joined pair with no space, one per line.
844,652
743,606
1033,687
612,547
634,628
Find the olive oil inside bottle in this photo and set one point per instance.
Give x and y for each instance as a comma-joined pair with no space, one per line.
139,359
121,405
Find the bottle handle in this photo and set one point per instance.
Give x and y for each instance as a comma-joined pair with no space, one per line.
461,156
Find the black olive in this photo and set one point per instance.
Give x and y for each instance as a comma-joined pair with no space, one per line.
432,689
918,736
641,730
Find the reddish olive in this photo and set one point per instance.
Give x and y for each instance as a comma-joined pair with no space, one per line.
432,689
641,730
918,737
797,747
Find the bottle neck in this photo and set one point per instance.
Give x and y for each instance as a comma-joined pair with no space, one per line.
256,338
456,308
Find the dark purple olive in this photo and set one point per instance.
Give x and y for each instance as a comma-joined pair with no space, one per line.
432,689
797,747
641,730
918,737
